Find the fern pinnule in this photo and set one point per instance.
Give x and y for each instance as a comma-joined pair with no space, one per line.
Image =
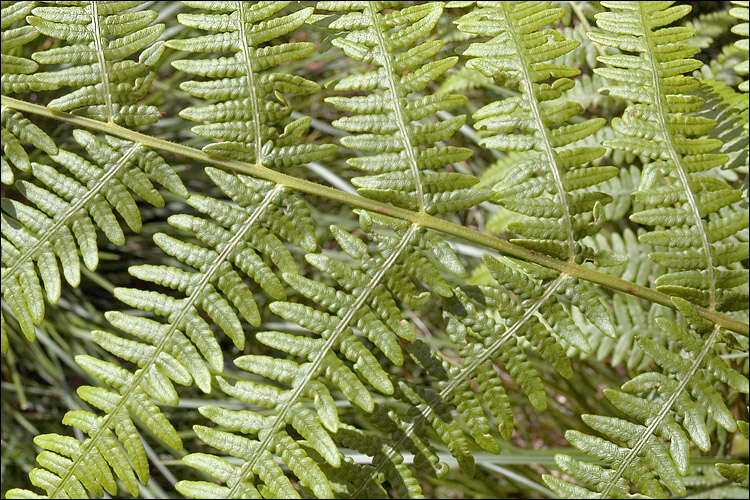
741,12
19,72
17,131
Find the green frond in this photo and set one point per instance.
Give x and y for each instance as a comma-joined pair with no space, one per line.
540,122
683,417
730,111
654,79
95,59
61,210
283,215
19,72
252,115
586,162
87,465
393,120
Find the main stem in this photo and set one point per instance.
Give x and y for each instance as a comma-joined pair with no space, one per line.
424,220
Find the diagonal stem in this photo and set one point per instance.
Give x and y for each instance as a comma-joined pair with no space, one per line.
423,220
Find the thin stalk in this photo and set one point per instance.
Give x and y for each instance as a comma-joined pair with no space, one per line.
424,220
250,77
101,60
515,476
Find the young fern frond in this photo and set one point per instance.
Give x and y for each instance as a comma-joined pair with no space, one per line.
61,212
101,37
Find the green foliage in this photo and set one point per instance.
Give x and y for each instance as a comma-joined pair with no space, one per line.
537,211
101,36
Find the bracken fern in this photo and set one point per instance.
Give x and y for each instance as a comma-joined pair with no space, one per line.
535,236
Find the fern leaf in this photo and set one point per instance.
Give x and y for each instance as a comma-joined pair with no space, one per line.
246,117
520,55
653,76
393,120
59,221
100,38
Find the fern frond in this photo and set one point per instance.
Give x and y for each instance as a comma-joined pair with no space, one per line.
245,117
59,221
393,119
337,357
101,37
674,193
135,391
72,467
322,356
364,306
730,111
285,215
543,188
681,417
742,12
